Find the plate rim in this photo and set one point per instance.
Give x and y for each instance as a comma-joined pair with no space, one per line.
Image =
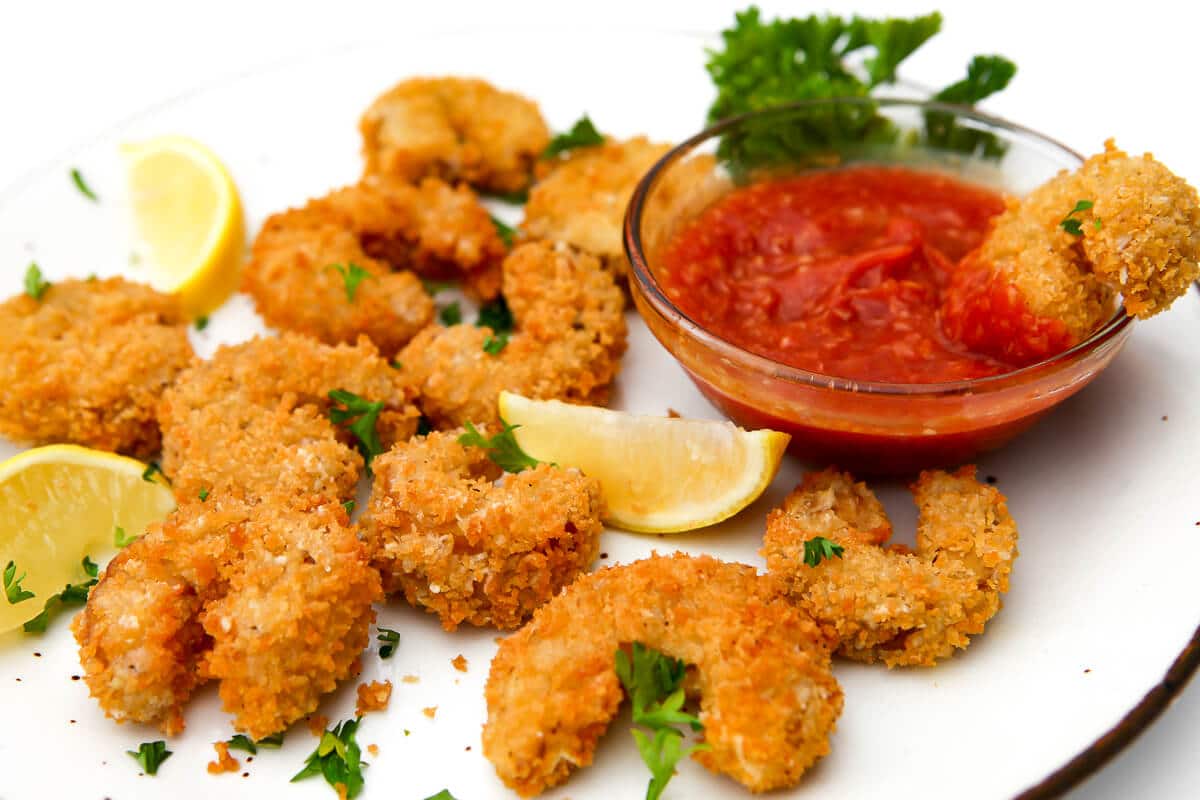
1085,764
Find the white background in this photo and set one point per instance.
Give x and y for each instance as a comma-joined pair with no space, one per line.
1088,70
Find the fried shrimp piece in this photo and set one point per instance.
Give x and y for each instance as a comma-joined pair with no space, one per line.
1035,288
583,197
470,548
902,608
460,129
255,418
343,264
768,700
272,599
87,363
570,335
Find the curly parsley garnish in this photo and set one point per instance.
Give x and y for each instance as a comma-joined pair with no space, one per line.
122,539
72,594
654,683
1072,224
12,585
35,284
506,232
352,275
153,469
150,755
390,641
362,416
451,314
337,758
819,548
497,316
81,185
582,134
502,448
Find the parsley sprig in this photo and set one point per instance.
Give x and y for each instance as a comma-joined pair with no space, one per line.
1072,224
501,448
72,594
81,185
819,548
497,316
654,683
337,758
390,640
362,417
241,741
352,275
35,284
150,755
12,585
582,134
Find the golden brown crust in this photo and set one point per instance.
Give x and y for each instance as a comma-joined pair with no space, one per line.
459,129
254,418
580,197
389,229
768,700
470,548
88,362
902,608
272,599
569,339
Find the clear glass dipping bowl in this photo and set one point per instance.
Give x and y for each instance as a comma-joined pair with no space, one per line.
868,427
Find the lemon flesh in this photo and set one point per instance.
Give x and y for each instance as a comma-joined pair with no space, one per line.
188,218
659,475
61,503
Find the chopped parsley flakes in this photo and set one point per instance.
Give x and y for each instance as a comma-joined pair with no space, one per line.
819,548
12,585
1072,224
338,759
352,275
72,594
390,641
582,134
361,416
451,314
122,539
35,284
150,755
81,185
502,448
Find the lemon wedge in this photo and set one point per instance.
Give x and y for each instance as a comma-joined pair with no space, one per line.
59,504
189,219
660,475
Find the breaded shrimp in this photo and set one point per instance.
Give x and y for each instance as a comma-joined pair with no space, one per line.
1034,289
254,418
582,198
472,549
768,700
902,608
384,231
87,363
570,335
459,129
272,599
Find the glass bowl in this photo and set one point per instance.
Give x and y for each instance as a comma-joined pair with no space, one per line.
869,427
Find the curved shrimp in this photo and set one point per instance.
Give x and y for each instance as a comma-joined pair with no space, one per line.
582,196
1048,272
460,129
343,265
902,608
87,362
768,700
254,418
570,335
455,541
273,599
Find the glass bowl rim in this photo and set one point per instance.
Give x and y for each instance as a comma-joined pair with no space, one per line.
648,285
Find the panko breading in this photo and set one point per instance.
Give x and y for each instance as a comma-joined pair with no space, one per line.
902,608
388,229
470,548
273,600
570,335
88,362
582,198
254,419
1140,237
459,129
768,700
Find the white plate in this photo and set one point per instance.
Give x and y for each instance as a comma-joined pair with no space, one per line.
1103,597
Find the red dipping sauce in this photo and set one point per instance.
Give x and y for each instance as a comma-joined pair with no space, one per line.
842,272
